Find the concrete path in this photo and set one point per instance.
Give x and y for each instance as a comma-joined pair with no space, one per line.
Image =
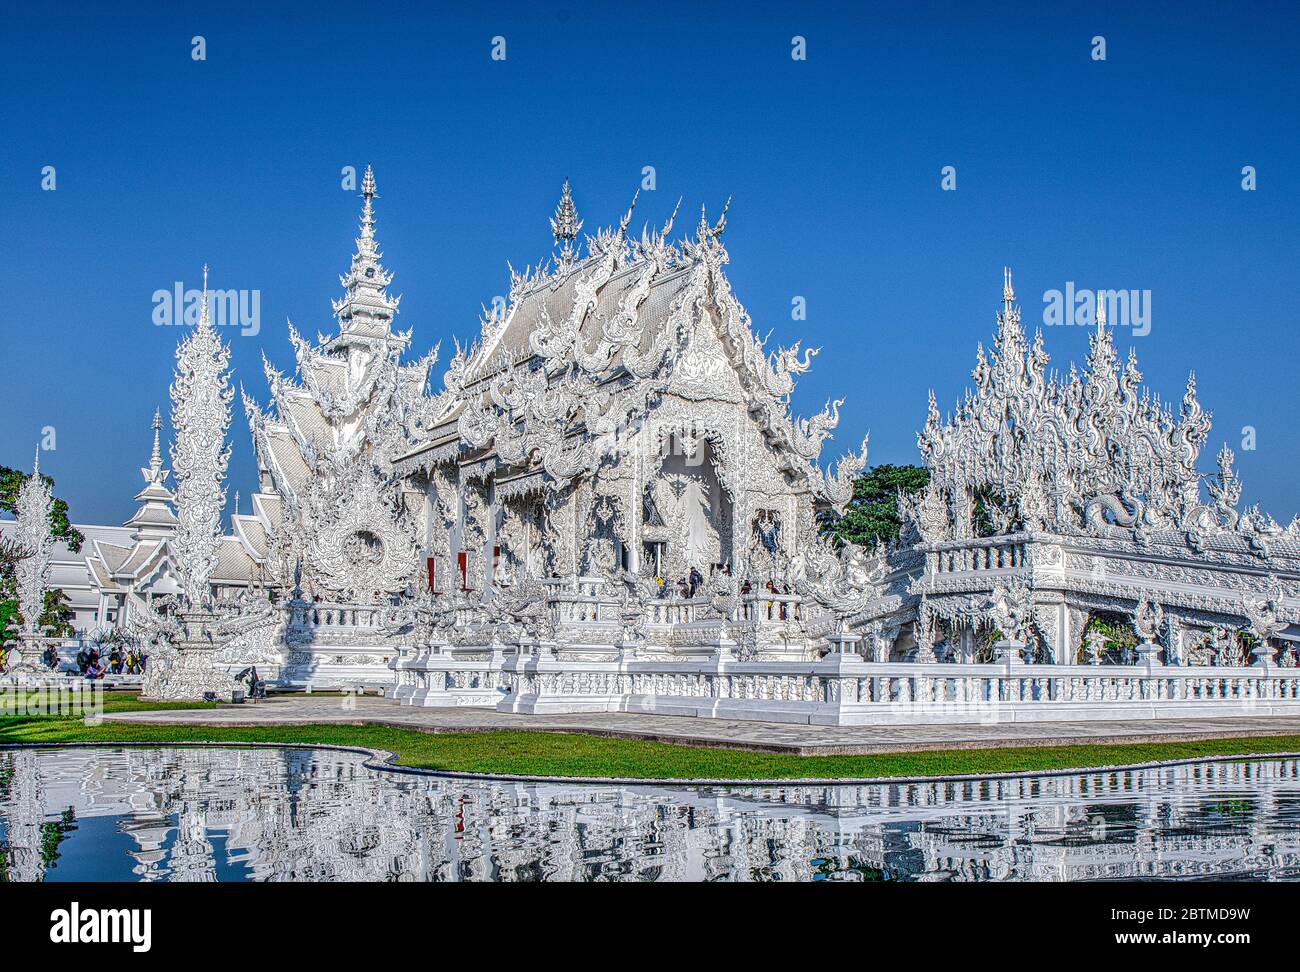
801,740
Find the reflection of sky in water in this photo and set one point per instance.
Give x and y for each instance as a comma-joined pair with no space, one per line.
297,814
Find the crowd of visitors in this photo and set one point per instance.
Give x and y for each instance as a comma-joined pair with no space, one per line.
94,664
92,661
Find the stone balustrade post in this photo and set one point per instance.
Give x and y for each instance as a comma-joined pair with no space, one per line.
1263,655
1008,651
1148,653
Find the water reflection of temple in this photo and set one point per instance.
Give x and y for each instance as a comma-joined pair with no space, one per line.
285,814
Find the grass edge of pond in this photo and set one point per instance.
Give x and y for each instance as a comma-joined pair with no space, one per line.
561,754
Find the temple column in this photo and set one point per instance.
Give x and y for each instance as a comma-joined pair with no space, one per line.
491,532
966,644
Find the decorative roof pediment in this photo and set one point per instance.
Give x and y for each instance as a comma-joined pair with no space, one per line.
581,338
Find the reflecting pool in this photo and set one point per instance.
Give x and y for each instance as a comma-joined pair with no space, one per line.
293,814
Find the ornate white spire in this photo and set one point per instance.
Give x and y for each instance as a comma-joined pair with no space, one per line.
155,518
155,474
33,514
369,194
565,224
200,395
365,308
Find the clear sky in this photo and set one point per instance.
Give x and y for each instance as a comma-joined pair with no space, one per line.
1122,173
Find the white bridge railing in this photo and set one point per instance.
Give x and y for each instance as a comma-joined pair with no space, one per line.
845,689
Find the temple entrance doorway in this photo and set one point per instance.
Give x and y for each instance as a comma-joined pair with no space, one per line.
687,513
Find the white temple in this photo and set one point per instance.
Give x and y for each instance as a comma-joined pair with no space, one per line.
524,537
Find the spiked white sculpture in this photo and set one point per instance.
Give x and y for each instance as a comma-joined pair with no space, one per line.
33,571
34,541
200,395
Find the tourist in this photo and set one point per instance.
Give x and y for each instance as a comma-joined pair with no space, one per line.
51,658
696,580
83,660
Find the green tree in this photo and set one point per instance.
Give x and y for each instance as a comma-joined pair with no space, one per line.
1120,636
54,833
872,515
8,619
56,619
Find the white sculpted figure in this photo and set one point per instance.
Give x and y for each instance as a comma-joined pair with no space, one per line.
1011,609
1148,620
1265,614
844,584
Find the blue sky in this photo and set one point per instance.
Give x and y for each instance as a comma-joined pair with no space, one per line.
1117,174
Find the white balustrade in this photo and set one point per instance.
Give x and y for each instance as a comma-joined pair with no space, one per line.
329,615
995,553
851,691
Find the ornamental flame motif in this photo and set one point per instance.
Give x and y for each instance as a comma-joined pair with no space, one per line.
34,538
200,395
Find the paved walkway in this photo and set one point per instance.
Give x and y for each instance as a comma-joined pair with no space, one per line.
802,740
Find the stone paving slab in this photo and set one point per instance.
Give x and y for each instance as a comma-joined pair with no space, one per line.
800,740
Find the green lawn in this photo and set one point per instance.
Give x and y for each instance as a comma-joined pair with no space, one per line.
572,754
113,702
